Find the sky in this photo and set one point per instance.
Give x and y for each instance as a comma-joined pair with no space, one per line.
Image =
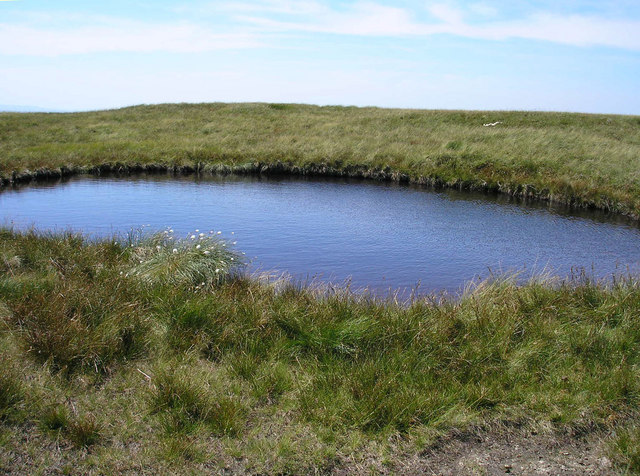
572,55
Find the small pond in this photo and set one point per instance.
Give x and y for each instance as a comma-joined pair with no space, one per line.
379,235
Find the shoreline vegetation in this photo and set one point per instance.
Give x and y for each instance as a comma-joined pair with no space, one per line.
581,160
157,354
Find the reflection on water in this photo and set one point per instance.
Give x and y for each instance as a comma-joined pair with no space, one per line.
381,235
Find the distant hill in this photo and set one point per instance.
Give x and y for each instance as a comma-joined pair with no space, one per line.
585,159
14,108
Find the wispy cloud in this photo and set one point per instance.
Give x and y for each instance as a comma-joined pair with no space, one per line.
253,23
373,19
117,35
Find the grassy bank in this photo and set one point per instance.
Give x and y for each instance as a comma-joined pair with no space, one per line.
585,160
155,356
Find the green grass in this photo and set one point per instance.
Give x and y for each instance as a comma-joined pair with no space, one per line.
156,355
582,159
625,448
128,373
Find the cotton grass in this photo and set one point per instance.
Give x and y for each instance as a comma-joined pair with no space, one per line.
164,259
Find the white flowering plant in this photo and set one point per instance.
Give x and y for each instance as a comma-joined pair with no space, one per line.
199,260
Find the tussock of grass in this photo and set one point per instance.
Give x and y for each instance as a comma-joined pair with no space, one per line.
81,322
11,389
624,448
199,260
83,430
54,417
237,369
186,400
180,448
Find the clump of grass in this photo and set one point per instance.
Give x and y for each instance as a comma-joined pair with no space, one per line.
624,448
83,430
82,325
11,389
196,324
270,381
199,260
187,398
76,311
181,447
54,417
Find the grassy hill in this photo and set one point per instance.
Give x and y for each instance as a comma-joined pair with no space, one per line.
583,159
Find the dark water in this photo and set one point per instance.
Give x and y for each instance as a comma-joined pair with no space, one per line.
379,235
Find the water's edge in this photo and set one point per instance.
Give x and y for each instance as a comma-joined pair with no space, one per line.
386,174
370,233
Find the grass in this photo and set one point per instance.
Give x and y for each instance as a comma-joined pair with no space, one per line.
156,355
199,260
625,448
586,160
130,370
11,391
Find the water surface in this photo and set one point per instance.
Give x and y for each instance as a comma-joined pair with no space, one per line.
379,235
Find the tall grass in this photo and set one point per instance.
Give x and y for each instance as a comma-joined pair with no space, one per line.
11,388
186,398
625,449
237,372
199,260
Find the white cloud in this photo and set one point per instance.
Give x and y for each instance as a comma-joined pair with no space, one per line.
249,24
483,9
118,36
286,7
446,13
573,29
366,19
371,19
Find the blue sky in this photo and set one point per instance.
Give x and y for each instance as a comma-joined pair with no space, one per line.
575,55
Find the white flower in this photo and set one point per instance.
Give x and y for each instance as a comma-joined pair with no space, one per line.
219,233
193,237
197,232
175,250
201,234
217,270
201,284
231,259
141,261
235,242
207,252
198,247
158,247
171,230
